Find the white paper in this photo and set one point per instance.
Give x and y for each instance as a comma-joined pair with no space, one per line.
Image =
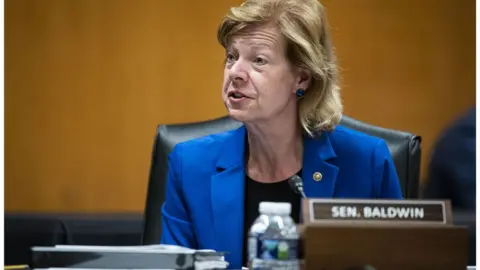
162,249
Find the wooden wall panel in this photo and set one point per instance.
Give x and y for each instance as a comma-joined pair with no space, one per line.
407,65
86,83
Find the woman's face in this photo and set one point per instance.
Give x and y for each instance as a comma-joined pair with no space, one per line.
259,83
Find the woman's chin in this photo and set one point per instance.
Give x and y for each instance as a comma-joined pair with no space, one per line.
240,115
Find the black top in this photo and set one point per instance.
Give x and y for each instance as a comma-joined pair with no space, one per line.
256,192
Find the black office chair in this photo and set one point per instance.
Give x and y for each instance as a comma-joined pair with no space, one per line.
404,147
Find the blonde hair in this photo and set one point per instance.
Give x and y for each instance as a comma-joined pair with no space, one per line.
304,25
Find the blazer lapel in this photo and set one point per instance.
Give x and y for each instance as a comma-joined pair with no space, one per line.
319,176
227,197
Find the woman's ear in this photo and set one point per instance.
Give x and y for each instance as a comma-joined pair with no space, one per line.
303,79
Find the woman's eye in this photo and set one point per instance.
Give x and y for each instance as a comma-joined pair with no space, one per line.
230,57
260,61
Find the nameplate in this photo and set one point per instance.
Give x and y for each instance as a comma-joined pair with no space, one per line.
391,211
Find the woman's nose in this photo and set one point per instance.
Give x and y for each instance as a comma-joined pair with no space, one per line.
238,71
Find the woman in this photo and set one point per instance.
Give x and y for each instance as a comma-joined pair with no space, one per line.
280,80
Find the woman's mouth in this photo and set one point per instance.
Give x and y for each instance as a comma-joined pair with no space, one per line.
237,96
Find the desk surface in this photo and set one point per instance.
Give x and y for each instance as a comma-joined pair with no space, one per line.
24,230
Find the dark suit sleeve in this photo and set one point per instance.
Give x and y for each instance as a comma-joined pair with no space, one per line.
386,177
176,226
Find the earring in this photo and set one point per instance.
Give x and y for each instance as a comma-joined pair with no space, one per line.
300,92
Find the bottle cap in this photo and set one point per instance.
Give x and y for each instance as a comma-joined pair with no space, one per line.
278,208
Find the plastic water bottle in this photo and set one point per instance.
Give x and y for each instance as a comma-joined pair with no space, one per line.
273,241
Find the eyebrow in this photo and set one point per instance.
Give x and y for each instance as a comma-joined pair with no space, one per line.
254,46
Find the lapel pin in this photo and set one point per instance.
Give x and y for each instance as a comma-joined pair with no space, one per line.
317,176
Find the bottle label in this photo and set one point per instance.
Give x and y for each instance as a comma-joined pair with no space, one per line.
273,249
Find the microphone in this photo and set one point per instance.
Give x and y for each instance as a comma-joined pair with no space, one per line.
296,184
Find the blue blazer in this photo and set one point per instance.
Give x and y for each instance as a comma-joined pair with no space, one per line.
204,201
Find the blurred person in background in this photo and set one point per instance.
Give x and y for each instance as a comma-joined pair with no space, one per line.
451,173
280,81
